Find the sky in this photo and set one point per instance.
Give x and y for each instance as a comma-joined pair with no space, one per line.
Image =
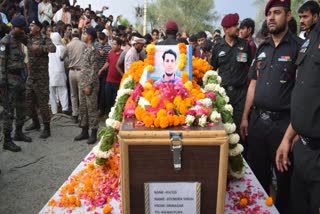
126,7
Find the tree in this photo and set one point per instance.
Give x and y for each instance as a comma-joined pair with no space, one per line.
260,5
190,15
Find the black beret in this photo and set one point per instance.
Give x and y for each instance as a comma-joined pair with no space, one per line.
277,3
18,22
36,22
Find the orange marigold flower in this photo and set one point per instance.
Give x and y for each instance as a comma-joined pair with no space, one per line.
148,86
269,201
107,209
169,105
177,100
150,80
176,121
157,122
161,113
185,77
155,101
182,119
243,202
164,123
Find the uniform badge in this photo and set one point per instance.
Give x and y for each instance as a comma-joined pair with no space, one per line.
262,55
2,47
305,46
240,48
222,53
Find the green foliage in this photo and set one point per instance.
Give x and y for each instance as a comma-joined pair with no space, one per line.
120,107
190,15
100,161
220,102
236,163
124,22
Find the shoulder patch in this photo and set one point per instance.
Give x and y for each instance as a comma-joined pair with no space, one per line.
2,47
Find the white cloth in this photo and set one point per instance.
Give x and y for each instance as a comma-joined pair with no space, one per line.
131,57
58,94
47,15
58,16
57,74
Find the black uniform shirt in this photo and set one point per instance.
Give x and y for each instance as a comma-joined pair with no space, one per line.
233,62
274,69
305,103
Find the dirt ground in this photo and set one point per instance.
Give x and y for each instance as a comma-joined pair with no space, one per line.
29,178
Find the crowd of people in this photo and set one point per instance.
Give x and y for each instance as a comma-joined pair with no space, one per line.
56,57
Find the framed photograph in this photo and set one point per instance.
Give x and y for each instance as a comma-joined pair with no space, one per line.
167,59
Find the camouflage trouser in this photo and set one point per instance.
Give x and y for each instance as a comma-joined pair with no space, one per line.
37,95
88,106
14,105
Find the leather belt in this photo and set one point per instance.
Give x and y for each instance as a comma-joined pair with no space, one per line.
75,68
273,115
312,143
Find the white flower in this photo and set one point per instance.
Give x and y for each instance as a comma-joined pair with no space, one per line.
230,127
234,138
122,92
238,174
215,117
208,74
236,151
211,87
190,119
128,79
113,123
203,121
221,91
219,79
143,102
207,102
226,99
228,108
112,111
100,154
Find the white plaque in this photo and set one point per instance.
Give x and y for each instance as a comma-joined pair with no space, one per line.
172,198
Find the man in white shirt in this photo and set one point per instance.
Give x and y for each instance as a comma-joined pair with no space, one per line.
133,53
63,14
45,11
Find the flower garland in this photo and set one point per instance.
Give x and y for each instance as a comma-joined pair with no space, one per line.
183,56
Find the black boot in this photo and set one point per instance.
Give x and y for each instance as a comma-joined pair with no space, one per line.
19,136
9,144
35,125
83,135
93,137
46,131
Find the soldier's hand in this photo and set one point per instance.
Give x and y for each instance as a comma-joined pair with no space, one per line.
87,91
282,160
244,129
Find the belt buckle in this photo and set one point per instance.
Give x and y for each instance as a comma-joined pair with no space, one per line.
264,116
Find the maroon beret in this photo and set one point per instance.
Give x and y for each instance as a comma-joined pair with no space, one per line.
230,20
172,25
277,3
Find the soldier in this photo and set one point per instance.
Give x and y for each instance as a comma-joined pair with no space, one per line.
232,56
37,88
272,79
171,32
11,73
88,89
305,123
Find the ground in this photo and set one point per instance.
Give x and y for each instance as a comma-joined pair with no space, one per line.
29,178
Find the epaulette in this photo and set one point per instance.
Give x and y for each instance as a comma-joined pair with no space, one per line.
6,39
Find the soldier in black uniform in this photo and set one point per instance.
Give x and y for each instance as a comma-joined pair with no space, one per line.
171,33
12,84
232,56
305,122
272,77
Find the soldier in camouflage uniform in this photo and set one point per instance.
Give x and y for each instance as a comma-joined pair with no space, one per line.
37,87
89,86
12,84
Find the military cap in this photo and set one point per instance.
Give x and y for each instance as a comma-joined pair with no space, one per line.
36,22
18,22
230,20
277,3
172,25
91,31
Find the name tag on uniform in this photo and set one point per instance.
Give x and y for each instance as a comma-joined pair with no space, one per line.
285,59
242,57
222,53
